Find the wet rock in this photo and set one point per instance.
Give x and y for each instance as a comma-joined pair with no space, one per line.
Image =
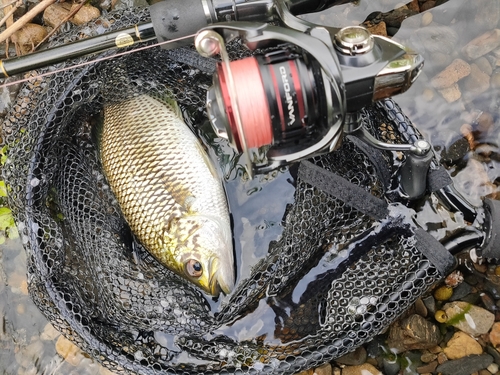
437,38
413,333
325,369
86,14
494,353
427,368
397,16
420,308
69,351
413,5
495,335
477,82
56,12
427,357
364,369
468,318
49,333
430,303
493,368
306,372
354,358
29,36
484,65
463,289
481,45
441,358
466,365
488,302
427,5
488,14
462,345
457,70
379,28
29,354
426,19
490,286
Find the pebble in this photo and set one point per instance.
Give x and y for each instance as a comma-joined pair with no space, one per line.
461,345
484,65
420,308
488,14
481,45
69,351
437,38
477,82
354,358
86,14
427,357
466,365
427,368
493,368
413,333
49,333
29,36
54,13
468,318
451,94
488,302
426,19
494,335
325,369
377,28
364,369
454,72
430,303
463,289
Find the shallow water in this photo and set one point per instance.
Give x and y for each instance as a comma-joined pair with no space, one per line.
27,344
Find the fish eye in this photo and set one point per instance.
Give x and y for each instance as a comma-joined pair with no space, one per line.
194,268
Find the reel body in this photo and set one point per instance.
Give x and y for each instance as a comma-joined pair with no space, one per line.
296,98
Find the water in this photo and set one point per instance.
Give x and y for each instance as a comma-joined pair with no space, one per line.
469,125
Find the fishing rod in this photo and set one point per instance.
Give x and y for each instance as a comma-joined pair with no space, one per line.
173,19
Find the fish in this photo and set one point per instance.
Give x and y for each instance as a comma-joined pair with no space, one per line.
168,190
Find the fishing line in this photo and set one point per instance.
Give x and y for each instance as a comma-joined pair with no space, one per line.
251,101
96,60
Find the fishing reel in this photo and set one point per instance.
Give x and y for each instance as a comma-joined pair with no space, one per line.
297,99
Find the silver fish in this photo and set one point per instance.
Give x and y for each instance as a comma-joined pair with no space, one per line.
168,190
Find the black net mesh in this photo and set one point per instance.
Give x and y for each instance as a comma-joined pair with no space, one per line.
333,279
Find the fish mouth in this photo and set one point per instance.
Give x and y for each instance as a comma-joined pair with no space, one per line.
220,279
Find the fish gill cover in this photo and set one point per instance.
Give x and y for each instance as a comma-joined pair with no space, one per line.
347,262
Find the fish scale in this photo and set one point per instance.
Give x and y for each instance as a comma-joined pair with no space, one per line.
168,191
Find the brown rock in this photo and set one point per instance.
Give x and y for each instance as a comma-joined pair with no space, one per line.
413,5
495,79
69,351
427,5
488,14
442,358
325,369
477,82
377,28
29,36
413,333
306,372
420,308
461,345
53,15
495,335
484,65
428,368
85,14
481,45
457,70
365,369
468,318
354,358
428,357
451,94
